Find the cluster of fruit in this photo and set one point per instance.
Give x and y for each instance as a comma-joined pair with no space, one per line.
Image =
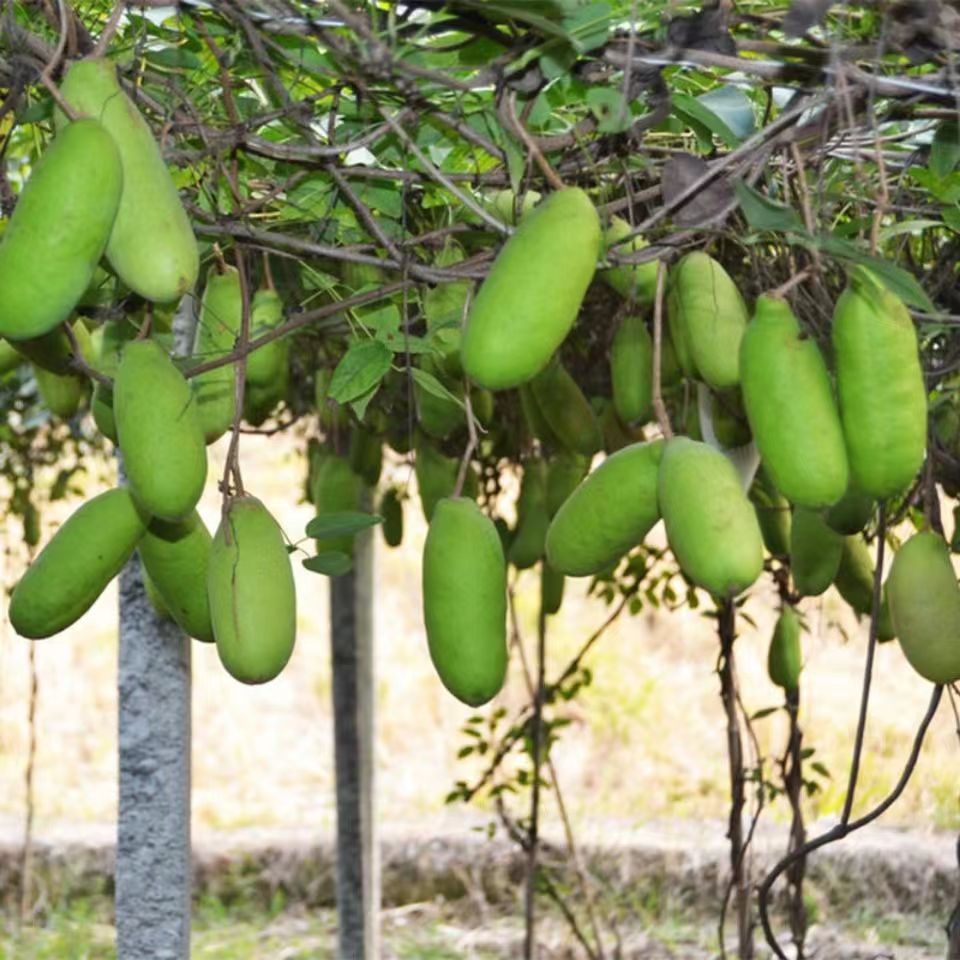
829,449
102,188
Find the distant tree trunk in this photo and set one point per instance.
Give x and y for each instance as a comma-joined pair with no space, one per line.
153,870
358,862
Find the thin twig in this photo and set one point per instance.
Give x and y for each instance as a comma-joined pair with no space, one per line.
110,29
658,405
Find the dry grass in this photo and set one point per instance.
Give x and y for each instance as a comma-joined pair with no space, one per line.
646,739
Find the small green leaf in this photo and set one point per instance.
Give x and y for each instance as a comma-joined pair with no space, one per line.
610,108
951,217
362,368
945,149
762,213
330,564
691,109
341,524
433,386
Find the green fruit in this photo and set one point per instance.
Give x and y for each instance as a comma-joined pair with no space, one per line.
789,402
815,552
526,547
711,526
31,524
74,568
58,230
854,582
729,419
616,436
366,455
464,601
159,432
267,365
852,512
259,403
63,391
221,310
784,661
707,319
535,420
564,473
883,400
176,556
115,335
608,514
438,416
670,372
336,489
437,477
356,276
61,395
391,509
10,358
773,515
503,204
531,297
153,595
631,370
253,604
567,410
636,281
551,589
151,246
52,352
925,607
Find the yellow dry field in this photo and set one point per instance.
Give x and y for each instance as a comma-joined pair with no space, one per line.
646,740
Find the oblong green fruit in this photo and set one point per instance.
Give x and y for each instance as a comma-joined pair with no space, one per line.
852,512
74,568
159,432
52,352
711,526
153,595
530,299
567,410
784,659
789,402
616,435
815,552
707,320
366,455
151,247
503,204
636,281
221,311
10,358
883,400
533,416
729,419
61,395
564,474
267,364
253,604
608,514
854,582
260,402
631,370
391,509
526,548
58,230
551,589
336,489
925,607
62,391
176,555
114,336
464,601
773,514
437,477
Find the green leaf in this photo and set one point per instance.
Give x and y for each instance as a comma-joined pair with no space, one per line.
945,149
589,27
173,58
763,213
691,109
610,108
433,386
362,368
733,107
341,523
951,217
330,564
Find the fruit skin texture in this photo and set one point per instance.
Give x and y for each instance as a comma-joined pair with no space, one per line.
790,406
176,555
551,589
707,319
159,432
530,299
608,514
854,582
267,364
925,607
567,410
464,600
711,526
253,604
852,512
631,370
221,311
116,334
883,400
58,230
784,659
74,568
336,489
815,552
636,281
151,247
773,515
564,474
526,548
